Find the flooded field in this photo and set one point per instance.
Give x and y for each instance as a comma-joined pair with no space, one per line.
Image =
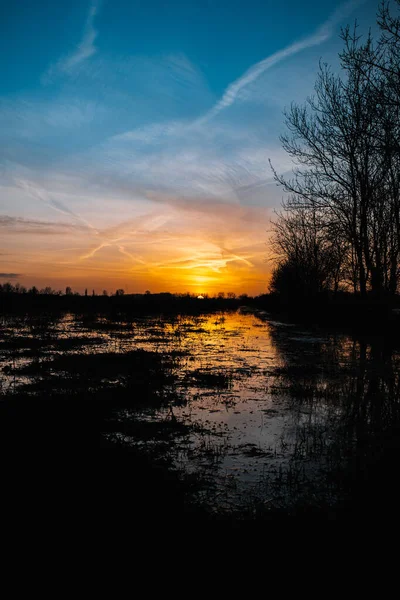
262,415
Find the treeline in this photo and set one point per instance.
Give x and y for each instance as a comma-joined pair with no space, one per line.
9,288
339,229
13,300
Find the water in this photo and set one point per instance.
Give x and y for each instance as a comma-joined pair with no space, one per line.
273,413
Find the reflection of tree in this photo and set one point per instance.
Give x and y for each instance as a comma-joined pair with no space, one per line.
345,404
373,414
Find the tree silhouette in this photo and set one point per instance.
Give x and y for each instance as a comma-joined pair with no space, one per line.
345,143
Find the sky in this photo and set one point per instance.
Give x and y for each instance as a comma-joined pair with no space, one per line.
135,136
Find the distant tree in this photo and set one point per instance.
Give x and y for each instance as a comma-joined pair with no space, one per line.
68,291
147,292
33,290
120,292
231,295
86,293
8,287
221,295
105,293
93,293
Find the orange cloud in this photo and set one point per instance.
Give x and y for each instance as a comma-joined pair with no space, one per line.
178,245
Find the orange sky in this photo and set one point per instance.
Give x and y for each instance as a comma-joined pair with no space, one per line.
161,244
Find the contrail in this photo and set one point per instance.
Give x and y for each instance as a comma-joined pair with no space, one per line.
42,195
84,50
323,33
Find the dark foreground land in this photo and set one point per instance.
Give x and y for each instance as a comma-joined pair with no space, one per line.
204,410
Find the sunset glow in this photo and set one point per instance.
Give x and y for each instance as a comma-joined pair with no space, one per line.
153,251
139,162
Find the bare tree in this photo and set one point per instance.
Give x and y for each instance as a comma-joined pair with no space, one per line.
344,142
308,251
380,63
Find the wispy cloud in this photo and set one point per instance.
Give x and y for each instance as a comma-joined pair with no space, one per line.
322,34
14,225
41,194
112,236
84,50
195,157
10,275
213,260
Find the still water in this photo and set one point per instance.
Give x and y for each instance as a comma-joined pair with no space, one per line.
274,413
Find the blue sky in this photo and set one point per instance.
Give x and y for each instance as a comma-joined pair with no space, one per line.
135,136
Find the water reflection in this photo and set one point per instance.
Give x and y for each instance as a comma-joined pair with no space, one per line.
269,413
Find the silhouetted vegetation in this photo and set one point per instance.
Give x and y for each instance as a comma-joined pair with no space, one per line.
13,300
340,227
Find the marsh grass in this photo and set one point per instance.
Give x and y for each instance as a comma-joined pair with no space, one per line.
131,379
209,379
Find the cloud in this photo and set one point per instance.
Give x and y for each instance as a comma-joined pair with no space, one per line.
10,275
227,162
41,194
323,33
15,225
112,236
155,131
196,158
85,49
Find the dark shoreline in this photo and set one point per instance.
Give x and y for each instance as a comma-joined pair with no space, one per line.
343,312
